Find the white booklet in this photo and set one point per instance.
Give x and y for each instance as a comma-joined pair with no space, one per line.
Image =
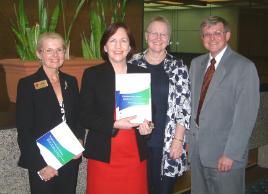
59,145
133,96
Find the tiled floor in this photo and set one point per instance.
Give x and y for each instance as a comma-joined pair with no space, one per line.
259,187
7,115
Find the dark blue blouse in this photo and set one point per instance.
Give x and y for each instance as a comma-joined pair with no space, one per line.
159,84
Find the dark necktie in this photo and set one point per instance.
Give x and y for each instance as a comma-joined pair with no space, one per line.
206,81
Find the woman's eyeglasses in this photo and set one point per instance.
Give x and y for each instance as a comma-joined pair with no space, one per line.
53,51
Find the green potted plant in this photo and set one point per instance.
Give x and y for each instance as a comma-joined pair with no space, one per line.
26,39
97,23
27,35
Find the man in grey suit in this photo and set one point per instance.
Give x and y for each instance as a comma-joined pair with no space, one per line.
223,114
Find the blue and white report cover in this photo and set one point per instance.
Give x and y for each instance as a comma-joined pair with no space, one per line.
59,146
133,96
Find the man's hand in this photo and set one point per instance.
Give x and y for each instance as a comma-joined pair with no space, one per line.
225,163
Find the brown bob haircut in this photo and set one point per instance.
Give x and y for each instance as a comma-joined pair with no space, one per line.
110,31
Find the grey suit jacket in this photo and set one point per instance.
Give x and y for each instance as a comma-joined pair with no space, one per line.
229,110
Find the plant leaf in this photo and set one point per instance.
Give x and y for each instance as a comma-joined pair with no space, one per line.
91,47
22,17
80,4
55,17
43,19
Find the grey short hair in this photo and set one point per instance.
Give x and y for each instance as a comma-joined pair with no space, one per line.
213,20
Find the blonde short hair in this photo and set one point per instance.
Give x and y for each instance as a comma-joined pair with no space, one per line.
160,19
48,35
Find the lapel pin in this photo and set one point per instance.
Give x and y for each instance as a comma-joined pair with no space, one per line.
65,85
40,84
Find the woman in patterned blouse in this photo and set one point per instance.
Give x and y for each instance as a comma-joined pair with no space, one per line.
171,108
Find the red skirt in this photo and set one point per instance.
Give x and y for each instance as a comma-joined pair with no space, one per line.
125,174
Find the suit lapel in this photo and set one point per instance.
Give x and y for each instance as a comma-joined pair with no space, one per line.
65,89
107,79
217,78
201,73
48,97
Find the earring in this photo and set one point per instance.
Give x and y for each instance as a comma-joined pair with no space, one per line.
105,49
41,62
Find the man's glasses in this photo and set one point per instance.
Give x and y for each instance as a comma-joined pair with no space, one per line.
217,34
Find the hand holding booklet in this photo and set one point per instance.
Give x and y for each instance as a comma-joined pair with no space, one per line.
59,145
133,96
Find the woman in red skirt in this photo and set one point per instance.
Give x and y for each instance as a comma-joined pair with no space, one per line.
116,149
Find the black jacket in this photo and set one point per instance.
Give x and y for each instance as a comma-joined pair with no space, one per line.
97,99
38,111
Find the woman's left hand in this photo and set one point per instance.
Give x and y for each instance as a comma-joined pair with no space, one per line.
146,127
176,149
79,155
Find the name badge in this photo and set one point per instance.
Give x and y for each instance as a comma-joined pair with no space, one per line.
40,84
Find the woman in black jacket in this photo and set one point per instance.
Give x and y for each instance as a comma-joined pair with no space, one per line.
44,100
115,149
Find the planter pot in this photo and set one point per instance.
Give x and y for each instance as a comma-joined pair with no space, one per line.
16,69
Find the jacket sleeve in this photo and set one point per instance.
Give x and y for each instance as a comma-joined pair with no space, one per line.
93,113
246,110
184,98
25,120
79,130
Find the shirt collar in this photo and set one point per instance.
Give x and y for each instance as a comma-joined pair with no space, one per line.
217,58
